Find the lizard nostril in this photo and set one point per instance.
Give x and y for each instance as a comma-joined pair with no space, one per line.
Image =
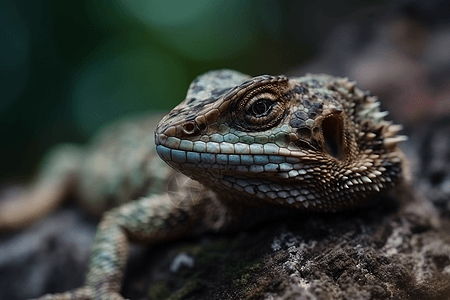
189,128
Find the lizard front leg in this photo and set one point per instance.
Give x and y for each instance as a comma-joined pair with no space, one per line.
153,219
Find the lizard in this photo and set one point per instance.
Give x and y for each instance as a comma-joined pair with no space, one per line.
118,165
248,146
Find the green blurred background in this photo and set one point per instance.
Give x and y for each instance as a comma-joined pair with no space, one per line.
69,67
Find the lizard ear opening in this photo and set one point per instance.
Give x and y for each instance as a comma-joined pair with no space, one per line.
332,130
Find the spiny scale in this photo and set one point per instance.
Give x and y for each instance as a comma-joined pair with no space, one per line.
319,142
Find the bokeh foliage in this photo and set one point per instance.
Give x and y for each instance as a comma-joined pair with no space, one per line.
69,67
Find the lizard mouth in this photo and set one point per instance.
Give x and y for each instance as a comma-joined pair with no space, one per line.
200,158
262,176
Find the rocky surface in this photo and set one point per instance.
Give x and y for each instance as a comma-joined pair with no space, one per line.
398,248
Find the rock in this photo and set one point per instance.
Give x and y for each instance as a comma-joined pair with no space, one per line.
384,251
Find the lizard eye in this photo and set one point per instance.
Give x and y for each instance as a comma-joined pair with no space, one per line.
261,107
258,111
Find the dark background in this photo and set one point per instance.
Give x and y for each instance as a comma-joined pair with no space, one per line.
69,67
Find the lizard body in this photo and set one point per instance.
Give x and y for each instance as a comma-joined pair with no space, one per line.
250,144
119,164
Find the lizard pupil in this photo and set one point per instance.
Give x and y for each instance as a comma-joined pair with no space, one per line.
261,107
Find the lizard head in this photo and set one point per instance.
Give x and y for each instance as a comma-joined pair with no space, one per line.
314,142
